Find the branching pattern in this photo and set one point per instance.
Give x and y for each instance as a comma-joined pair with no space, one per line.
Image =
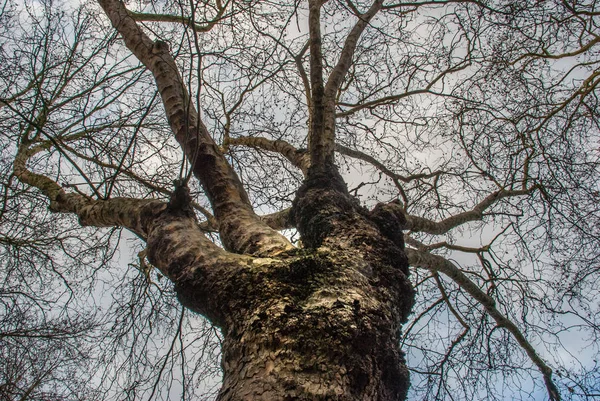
475,124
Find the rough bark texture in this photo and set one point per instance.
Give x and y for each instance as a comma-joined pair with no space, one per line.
320,323
314,327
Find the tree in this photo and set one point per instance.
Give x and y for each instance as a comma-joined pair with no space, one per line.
467,131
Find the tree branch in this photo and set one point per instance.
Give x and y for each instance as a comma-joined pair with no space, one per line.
353,108
279,220
322,136
420,224
187,21
122,212
345,61
316,128
297,158
396,178
547,55
439,264
240,228
148,184
175,243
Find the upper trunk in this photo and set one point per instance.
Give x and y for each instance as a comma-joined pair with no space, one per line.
322,322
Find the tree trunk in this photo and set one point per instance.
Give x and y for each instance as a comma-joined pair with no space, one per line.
317,327
323,322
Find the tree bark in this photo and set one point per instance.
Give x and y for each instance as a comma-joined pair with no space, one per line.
317,326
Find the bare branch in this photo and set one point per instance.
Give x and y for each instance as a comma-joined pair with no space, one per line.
437,263
355,107
279,220
444,244
322,136
297,158
546,55
196,26
122,212
345,61
316,83
420,224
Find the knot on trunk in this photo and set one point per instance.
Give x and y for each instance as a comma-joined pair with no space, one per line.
180,203
390,219
322,205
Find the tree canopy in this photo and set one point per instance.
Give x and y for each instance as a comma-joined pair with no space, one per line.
476,121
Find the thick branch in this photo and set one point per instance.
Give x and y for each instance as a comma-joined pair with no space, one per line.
241,230
439,264
175,243
316,82
148,184
420,224
122,212
280,220
345,61
305,79
444,244
297,158
322,136
60,201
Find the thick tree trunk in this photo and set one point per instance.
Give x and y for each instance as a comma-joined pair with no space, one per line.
321,326
320,323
